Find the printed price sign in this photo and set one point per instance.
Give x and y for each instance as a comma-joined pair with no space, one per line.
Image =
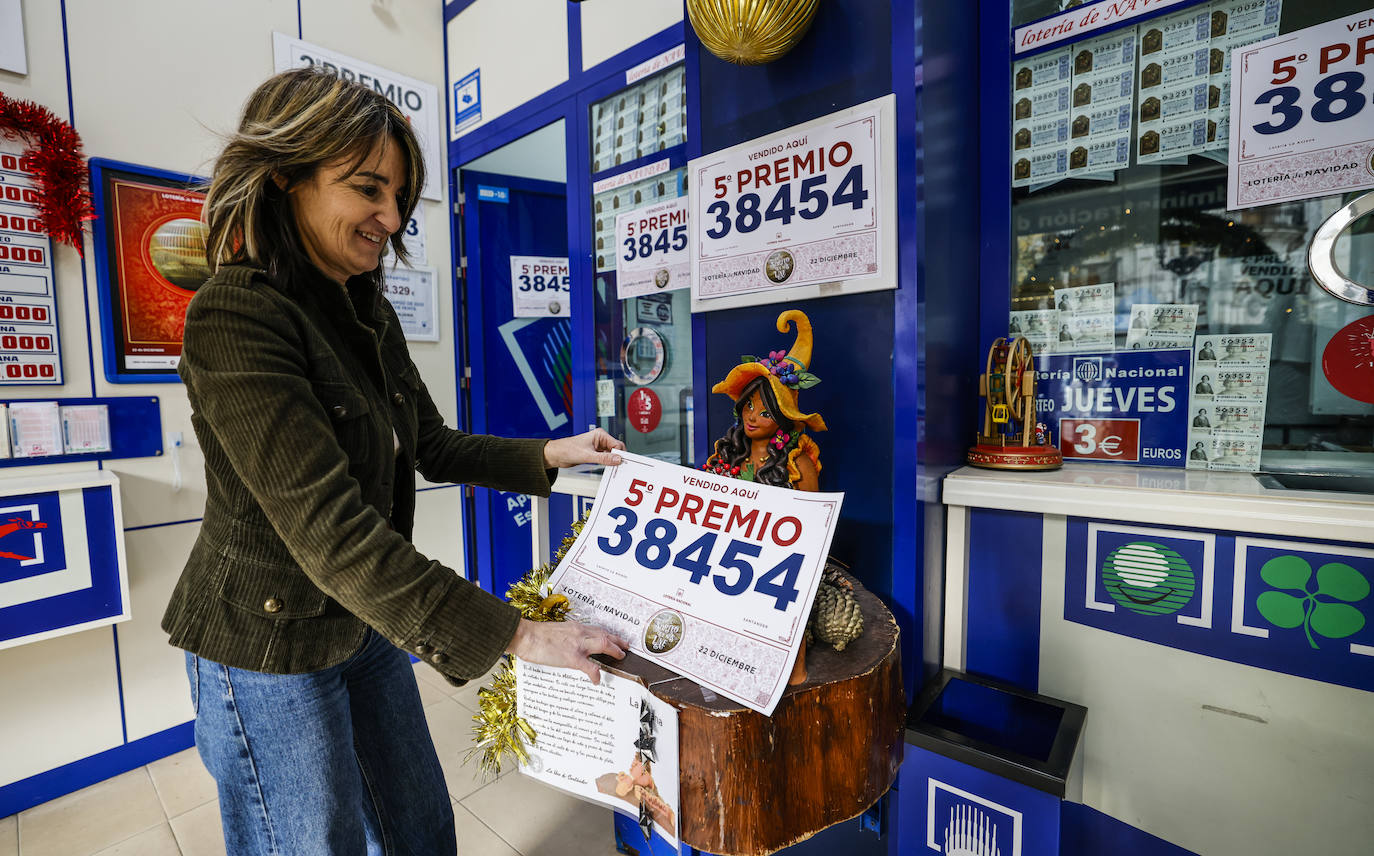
1100,439
540,287
652,253
1302,125
411,293
798,208
708,576
1125,407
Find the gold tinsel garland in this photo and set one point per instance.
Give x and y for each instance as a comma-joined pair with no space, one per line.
497,730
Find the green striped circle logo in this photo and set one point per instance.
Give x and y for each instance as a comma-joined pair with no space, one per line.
1148,578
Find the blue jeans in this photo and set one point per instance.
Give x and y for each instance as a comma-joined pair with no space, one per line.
329,763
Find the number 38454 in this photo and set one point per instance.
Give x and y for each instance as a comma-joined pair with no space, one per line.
731,570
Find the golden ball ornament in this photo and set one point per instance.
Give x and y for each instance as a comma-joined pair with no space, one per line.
750,32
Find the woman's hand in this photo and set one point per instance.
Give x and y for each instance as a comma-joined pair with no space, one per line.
566,644
593,447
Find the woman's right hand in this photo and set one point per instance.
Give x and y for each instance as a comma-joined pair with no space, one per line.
565,644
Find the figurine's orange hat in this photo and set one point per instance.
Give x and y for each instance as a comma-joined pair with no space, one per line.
794,366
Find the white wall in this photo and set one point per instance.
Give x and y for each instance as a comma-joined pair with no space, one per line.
153,83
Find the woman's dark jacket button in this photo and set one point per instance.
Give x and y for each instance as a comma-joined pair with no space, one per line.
438,659
398,399
272,605
339,411
423,650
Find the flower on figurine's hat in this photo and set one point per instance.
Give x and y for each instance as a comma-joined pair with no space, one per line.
786,371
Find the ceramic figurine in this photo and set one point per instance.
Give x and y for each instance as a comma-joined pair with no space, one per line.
768,444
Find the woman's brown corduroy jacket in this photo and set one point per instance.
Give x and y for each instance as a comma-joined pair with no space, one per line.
295,393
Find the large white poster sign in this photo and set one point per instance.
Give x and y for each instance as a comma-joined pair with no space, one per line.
418,100
708,576
411,292
651,252
540,287
1302,125
612,743
803,207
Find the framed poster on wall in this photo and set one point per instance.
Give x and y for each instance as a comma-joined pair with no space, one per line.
149,261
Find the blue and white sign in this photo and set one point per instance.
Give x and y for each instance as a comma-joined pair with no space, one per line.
487,193
1295,607
1126,407
62,565
467,103
960,810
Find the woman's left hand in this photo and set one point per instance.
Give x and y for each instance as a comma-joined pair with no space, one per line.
593,447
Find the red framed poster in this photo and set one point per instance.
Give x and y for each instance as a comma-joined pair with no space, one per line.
150,259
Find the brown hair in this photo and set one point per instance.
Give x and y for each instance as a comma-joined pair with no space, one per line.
293,124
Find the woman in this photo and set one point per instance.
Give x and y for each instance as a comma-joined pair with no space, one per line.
303,592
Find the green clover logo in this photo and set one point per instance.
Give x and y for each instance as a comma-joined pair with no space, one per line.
1332,617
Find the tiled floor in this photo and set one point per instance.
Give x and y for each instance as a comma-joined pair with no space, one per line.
168,808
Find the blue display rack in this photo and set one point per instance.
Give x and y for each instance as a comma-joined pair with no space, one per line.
135,430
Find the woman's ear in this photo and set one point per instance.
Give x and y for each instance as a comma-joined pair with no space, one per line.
279,180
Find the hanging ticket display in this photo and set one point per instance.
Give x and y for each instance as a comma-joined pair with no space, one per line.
797,208
651,253
29,345
706,575
1301,121
540,287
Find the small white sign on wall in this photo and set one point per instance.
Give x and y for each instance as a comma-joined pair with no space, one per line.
418,100
413,236
467,103
411,292
540,287
651,249
12,55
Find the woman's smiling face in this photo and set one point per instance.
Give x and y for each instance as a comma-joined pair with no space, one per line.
345,220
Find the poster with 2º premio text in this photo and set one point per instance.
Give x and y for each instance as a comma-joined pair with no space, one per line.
708,576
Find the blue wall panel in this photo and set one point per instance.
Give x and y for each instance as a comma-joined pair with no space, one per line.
1004,596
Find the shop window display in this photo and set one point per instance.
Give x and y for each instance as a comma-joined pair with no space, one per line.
1122,239
643,341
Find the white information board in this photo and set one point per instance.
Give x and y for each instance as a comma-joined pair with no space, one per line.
540,286
651,249
411,292
1302,124
706,575
809,207
418,100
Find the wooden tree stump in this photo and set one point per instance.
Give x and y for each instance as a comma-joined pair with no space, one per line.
751,784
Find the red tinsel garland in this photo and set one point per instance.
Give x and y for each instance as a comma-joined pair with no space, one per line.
54,155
